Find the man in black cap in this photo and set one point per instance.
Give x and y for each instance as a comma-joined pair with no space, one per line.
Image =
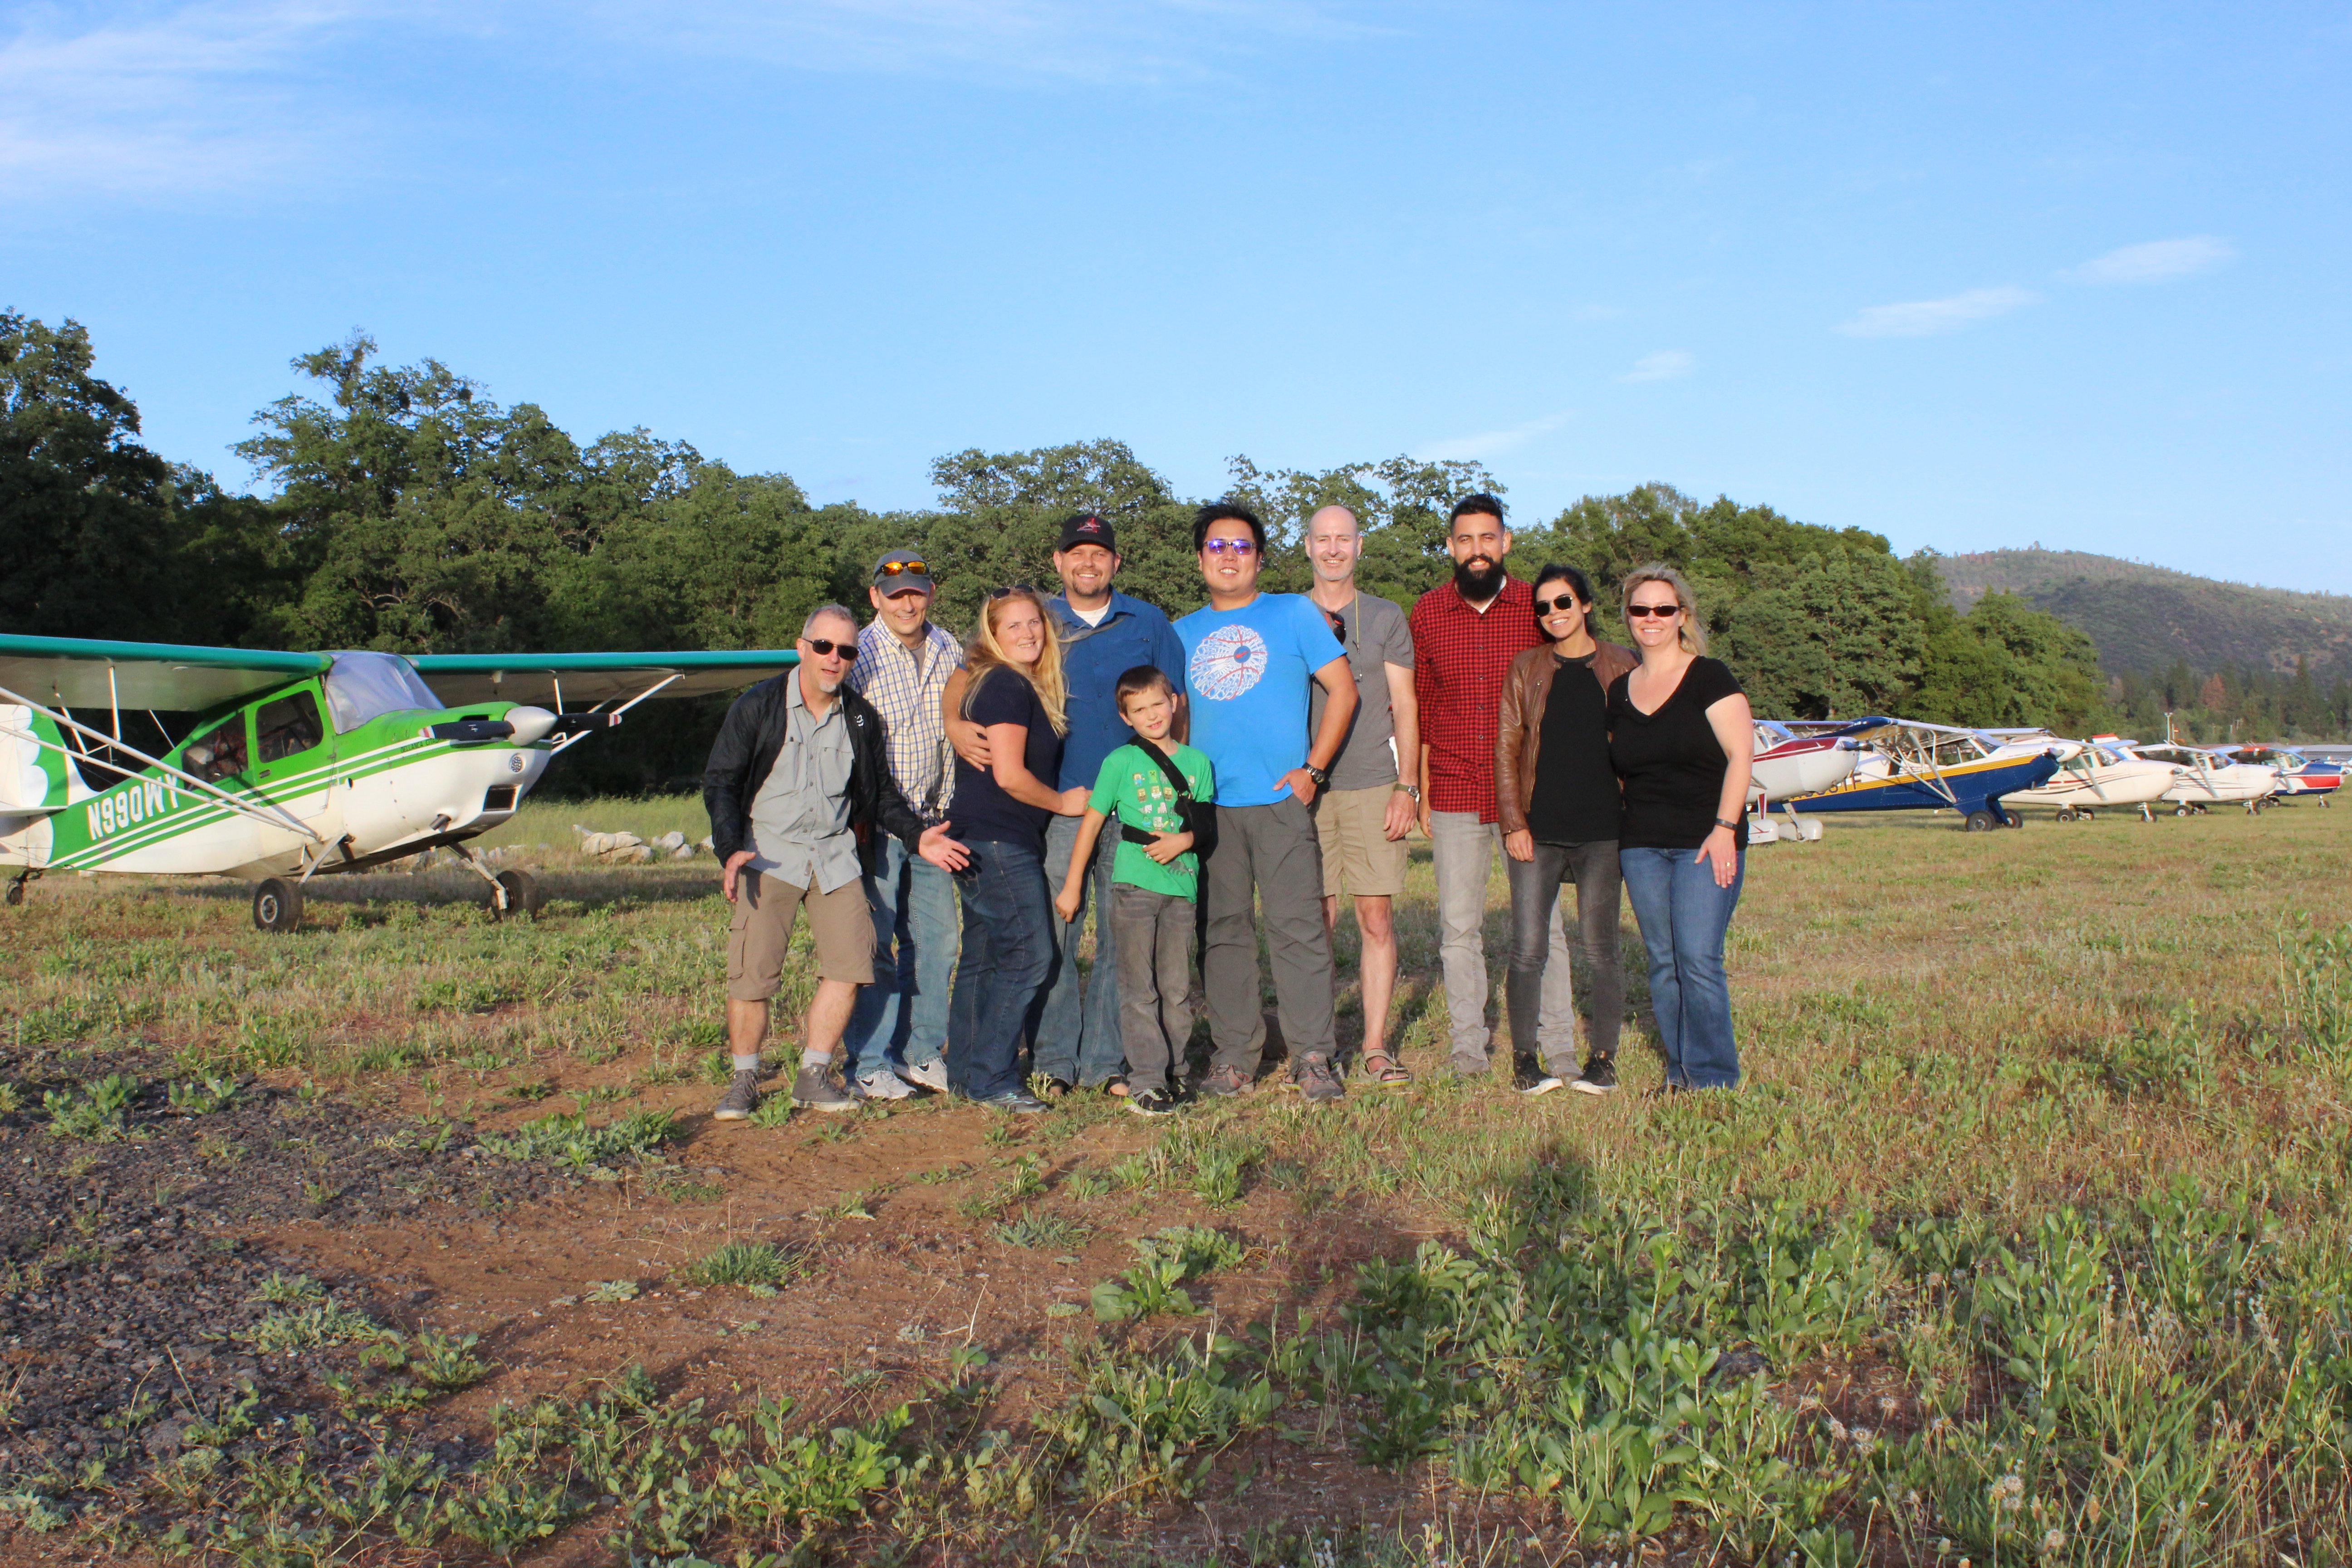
903,665
1105,634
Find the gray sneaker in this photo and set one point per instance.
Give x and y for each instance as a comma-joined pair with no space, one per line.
742,1099
1464,1066
880,1084
932,1074
813,1089
1224,1082
1316,1079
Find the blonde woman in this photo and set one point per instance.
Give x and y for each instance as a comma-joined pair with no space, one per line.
1018,697
1682,742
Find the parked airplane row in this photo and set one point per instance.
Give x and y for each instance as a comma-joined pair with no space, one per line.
288,767
1811,766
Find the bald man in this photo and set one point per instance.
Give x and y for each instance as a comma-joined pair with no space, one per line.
1362,820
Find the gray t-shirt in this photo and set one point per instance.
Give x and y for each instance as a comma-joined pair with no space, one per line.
1373,631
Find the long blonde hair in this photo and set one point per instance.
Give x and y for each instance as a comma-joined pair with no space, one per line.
1692,635
984,654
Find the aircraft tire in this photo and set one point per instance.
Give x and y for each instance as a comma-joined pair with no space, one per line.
1982,822
277,905
2012,819
523,895
15,894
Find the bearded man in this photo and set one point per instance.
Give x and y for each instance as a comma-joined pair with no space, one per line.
1466,633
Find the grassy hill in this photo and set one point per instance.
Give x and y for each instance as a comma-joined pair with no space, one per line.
2142,618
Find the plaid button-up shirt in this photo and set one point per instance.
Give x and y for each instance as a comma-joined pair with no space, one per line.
1461,656
907,692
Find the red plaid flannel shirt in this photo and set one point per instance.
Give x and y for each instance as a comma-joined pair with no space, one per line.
1461,656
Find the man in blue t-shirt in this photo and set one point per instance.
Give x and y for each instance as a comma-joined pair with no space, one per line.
1249,660
1105,634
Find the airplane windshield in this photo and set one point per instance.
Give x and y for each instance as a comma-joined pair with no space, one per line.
364,686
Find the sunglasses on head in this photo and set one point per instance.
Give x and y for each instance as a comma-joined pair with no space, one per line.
825,648
1644,611
1238,546
897,568
1559,607
1007,590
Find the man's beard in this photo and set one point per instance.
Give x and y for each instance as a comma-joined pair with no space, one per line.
1479,585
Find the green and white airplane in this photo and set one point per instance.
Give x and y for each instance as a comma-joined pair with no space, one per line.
295,766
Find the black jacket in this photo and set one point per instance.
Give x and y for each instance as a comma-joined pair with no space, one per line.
746,751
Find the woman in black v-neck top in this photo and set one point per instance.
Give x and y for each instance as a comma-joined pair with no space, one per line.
1682,741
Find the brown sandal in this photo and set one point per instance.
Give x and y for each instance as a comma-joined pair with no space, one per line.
1382,1068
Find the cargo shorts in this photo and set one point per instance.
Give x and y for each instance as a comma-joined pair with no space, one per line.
840,925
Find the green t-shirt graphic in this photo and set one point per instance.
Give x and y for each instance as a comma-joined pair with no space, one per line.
1134,789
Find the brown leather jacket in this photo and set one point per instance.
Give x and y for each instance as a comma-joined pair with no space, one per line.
1519,737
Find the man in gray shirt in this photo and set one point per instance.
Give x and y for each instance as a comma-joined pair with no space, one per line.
1362,820
799,768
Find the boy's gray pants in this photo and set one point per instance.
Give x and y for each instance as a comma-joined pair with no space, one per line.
1154,953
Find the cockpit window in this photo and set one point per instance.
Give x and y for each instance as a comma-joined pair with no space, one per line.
364,686
288,727
215,755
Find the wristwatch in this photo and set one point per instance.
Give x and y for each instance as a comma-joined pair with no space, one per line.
1322,776
1733,826
1413,790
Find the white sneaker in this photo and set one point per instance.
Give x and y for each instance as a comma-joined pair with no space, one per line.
932,1074
879,1084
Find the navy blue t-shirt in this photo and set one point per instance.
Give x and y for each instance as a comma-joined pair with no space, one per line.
981,810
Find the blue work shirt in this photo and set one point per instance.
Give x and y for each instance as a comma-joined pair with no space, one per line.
1093,658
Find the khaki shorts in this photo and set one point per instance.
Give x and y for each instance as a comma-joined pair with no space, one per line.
1359,857
762,933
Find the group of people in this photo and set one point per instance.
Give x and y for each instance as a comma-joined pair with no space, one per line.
947,816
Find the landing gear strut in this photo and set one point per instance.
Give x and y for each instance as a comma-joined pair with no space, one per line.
511,892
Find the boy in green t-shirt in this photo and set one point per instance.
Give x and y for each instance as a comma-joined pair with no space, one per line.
1154,880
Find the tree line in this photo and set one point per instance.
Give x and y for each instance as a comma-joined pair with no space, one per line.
402,508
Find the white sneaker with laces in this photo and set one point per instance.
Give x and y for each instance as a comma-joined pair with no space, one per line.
879,1084
932,1074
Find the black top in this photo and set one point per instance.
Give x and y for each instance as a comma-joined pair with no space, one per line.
1574,800
981,810
1671,762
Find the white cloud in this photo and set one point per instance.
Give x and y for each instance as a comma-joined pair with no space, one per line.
184,99
1924,318
1663,366
2157,262
1493,443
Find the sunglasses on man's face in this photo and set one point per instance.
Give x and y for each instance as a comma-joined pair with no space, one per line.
1238,546
1559,607
825,648
1644,611
898,568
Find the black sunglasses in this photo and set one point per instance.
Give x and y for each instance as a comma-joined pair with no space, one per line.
1646,611
1561,605
825,646
996,594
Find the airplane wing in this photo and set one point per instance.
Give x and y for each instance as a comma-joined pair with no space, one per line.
579,679
74,672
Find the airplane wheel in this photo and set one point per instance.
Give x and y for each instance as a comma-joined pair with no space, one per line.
277,905
1983,822
2012,819
523,895
15,894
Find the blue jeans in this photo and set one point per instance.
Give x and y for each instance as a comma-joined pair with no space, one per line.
1684,916
905,1012
1008,948
1076,1028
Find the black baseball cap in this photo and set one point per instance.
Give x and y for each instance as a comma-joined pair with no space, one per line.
1088,527
901,570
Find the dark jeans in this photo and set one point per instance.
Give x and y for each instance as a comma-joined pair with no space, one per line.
1074,1031
1008,948
1266,855
1535,890
1684,916
1155,982
905,1012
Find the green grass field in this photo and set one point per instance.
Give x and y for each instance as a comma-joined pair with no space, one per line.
2025,1240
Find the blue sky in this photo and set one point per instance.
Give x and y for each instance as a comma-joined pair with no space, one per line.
1969,276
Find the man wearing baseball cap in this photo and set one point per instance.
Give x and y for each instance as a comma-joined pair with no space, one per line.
1104,634
902,670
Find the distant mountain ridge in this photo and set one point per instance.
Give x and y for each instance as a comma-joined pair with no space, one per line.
2144,617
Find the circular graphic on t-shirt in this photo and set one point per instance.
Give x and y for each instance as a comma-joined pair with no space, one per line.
1227,663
